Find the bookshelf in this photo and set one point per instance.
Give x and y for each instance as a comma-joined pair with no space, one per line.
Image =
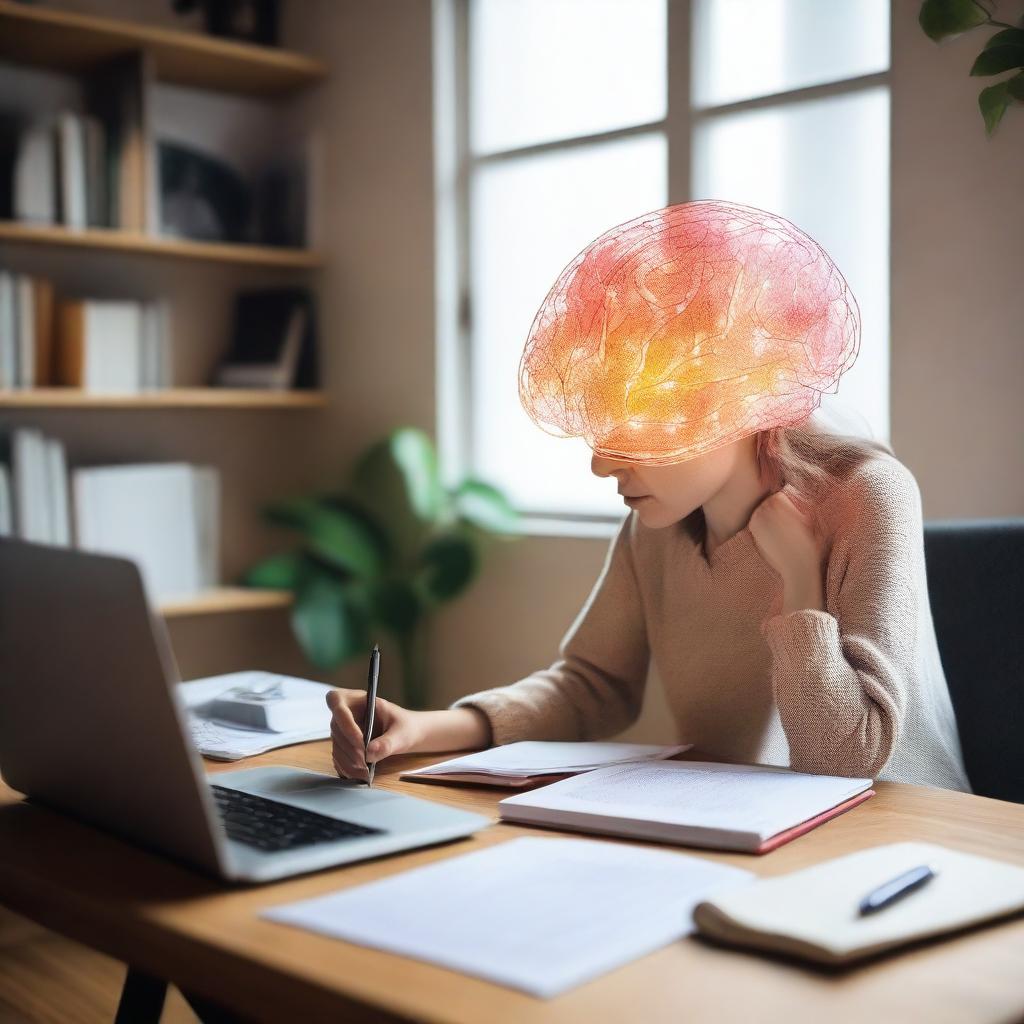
141,244
168,398
81,48
76,43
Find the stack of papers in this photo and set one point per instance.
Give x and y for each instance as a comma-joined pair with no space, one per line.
224,741
538,915
518,764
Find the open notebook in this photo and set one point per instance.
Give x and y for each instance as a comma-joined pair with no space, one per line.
529,761
813,913
752,809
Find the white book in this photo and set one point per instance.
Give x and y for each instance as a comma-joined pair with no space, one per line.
31,486
6,503
8,330
25,349
145,513
750,808
113,334
57,490
519,764
35,189
72,170
538,915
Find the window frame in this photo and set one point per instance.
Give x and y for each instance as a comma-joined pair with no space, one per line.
455,165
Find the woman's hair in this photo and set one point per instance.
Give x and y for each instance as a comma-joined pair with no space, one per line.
811,456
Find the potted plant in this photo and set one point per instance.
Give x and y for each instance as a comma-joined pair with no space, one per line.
382,555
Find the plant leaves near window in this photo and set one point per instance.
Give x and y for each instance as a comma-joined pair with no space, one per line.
997,59
1006,37
328,625
993,102
279,572
943,18
338,537
398,479
485,507
450,562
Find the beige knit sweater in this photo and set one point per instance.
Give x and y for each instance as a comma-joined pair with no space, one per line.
855,690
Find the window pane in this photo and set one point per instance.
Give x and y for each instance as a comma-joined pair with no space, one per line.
746,48
542,70
824,165
530,217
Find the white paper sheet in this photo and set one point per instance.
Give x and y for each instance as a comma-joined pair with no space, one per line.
532,757
229,743
538,915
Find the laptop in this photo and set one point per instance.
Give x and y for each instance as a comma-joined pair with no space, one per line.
92,724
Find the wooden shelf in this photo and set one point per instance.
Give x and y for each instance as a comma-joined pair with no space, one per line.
168,398
76,43
225,599
137,243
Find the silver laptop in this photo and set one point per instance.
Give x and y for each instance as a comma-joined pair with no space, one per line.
91,723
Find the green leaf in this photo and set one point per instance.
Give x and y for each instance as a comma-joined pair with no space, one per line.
338,537
998,59
396,605
449,564
279,572
1006,37
993,102
485,507
942,18
330,628
1015,86
398,481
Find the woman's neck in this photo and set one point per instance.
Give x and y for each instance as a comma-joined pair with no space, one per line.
729,509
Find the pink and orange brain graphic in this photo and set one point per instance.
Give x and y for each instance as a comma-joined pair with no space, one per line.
685,329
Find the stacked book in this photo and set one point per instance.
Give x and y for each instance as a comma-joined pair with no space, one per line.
26,331
60,172
34,489
163,516
112,347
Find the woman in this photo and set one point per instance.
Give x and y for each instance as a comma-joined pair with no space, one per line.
772,571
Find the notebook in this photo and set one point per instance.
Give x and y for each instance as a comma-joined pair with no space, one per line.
813,913
520,764
537,915
751,809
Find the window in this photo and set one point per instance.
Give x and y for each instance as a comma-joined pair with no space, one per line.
560,118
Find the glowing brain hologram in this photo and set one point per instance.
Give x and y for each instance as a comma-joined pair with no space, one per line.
686,329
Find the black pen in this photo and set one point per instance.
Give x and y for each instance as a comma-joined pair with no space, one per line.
371,705
896,889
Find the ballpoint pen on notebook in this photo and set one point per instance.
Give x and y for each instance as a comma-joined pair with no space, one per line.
371,705
895,889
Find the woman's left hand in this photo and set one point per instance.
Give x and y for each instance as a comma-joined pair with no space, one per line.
784,535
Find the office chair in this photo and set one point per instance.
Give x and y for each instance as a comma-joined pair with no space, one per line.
976,588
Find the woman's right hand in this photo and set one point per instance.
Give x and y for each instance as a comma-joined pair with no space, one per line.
394,727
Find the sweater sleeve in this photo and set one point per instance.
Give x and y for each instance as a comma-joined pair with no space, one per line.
595,688
841,677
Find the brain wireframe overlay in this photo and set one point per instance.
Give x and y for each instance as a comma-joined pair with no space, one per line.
686,329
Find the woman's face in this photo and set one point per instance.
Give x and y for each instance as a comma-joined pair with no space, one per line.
663,495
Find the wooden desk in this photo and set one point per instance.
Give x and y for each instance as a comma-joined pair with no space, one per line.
174,923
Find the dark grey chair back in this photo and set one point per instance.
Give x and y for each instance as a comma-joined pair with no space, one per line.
976,588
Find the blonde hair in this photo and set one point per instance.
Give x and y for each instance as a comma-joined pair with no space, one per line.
812,456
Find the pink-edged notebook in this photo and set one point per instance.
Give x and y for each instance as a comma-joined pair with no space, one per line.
746,808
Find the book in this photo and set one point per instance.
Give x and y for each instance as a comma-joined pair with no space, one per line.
32,510
43,298
71,160
813,913
8,330
520,764
57,493
6,503
747,808
273,343
100,346
25,341
35,177
161,515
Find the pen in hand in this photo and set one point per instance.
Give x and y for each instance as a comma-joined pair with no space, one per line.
371,702
895,889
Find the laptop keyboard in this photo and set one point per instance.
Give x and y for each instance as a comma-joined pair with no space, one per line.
271,826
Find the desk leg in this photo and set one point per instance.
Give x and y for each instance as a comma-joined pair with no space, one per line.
142,999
